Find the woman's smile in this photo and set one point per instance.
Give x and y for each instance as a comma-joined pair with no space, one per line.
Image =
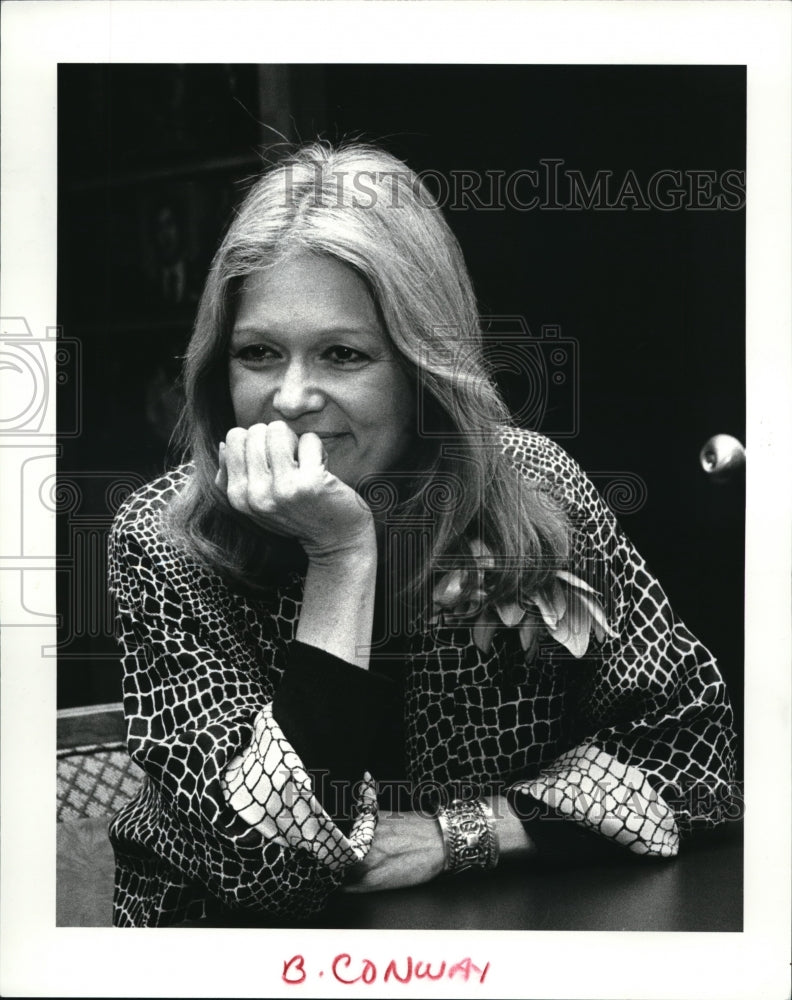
333,439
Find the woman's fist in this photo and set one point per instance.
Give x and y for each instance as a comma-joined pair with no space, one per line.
282,483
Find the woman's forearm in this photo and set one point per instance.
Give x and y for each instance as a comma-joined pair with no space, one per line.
338,602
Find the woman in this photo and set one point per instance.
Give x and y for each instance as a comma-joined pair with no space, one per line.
371,633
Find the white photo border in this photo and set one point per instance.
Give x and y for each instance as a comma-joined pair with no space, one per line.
40,959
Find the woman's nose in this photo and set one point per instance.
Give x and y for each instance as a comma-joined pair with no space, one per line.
297,392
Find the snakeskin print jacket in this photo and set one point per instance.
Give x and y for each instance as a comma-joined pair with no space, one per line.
627,737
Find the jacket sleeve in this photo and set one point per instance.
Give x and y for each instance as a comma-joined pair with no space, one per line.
652,757
228,802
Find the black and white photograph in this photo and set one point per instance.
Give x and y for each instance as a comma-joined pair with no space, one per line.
370,546
392,431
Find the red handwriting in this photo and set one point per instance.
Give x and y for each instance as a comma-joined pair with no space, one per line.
294,970
368,975
347,970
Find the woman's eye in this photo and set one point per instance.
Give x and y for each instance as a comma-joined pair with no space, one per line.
255,353
346,356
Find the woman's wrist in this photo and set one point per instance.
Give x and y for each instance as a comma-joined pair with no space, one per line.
357,549
338,603
478,832
512,836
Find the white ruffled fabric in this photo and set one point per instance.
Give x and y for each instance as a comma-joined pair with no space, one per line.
569,609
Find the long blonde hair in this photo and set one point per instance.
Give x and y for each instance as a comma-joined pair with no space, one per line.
368,210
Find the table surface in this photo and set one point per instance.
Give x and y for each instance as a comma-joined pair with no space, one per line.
700,890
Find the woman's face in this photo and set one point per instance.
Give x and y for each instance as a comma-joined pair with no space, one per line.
308,348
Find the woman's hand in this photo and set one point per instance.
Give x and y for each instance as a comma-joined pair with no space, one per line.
282,483
407,850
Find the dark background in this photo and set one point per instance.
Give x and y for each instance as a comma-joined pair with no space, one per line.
153,158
